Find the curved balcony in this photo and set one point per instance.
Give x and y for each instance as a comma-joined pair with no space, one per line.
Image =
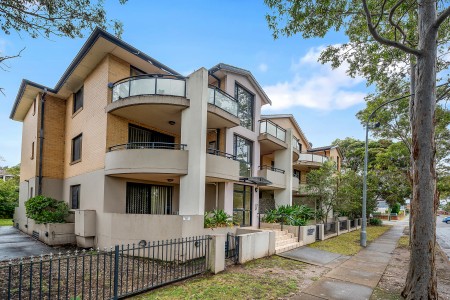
221,166
274,175
146,160
271,137
296,148
149,98
309,159
222,109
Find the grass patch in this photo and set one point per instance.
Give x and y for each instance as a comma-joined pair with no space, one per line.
380,294
403,242
274,262
6,222
348,243
227,286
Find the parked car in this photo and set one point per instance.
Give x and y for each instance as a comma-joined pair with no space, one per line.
446,220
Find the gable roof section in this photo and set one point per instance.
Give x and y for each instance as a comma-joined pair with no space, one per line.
324,148
291,117
246,73
94,49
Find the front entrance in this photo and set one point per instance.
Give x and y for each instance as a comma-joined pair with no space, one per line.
242,204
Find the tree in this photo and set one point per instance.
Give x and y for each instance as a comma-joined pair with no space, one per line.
9,192
52,17
322,188
382,34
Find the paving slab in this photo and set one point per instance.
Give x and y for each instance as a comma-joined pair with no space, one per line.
372,256
329,288
313,256
382,247
15,244
304,296
369,279
366,266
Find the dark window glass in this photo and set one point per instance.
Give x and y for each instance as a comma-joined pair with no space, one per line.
76,148
32,150
31,192
148,199
243,149
140,137
245,101
242,204
75,196
78,100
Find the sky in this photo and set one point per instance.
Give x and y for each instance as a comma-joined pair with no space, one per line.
188,35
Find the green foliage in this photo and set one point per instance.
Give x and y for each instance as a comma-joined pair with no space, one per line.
447,207
375,222
217,218
395,209
295,215
9,192
46,210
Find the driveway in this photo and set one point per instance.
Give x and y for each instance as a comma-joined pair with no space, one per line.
15,244
443,235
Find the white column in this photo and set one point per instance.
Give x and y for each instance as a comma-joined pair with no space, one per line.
283,161
193,133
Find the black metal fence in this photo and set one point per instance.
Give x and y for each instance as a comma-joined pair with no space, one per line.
343,225
352,223
232,248
104,274
330,228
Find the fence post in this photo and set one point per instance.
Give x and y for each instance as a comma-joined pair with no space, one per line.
116,272
216,255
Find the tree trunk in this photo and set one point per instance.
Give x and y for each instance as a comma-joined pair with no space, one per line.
421,280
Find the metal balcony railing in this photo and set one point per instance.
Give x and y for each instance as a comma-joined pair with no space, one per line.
267,126
271,169
149,84
222,100
309,157
221,153
296,144
149,145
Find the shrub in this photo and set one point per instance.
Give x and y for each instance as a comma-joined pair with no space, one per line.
46,210
217,218
375,222
295,215
395,208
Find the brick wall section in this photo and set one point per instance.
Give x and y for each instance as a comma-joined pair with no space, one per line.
54,138
90,121
28,166
266,161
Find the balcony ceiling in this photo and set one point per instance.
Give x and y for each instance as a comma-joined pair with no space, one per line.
218,118
269,144
162,178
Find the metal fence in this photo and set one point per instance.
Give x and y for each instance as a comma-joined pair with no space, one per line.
232,248
343,225
104,274
330,228
352,223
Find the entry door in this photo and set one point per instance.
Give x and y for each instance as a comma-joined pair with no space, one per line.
242,204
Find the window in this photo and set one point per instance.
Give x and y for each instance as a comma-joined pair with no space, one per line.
297,174
32,150
242,204
243,150
75,196
78,100
34,107
76,148
245,102
148,199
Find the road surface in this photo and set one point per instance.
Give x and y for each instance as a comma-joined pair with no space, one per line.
443,235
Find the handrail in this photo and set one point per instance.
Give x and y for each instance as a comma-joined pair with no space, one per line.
148,145
221,153
264,167
306,156
280,132
147,84
224,101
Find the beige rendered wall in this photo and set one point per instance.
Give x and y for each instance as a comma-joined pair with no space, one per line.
28,165
287,123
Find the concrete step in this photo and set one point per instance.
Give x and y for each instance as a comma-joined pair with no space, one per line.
288,247
285,242
284,237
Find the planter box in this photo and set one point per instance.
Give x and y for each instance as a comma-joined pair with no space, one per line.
308,234
54,233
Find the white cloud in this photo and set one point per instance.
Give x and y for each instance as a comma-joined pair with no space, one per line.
316,86
263,67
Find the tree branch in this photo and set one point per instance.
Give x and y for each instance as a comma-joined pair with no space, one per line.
383,40
441,18
391,21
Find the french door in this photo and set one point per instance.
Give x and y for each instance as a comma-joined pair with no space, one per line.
242,204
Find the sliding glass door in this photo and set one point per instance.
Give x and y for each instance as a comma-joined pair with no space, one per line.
242,204
148,199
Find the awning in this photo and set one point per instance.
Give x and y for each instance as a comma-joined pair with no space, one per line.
256,180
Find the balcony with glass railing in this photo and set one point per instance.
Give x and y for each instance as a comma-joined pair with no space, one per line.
222,109
311,159
296,148
272,137
221,166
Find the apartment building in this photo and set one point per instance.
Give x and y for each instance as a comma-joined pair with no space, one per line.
140,152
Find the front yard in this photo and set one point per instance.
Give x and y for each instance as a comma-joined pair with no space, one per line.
348,243
266,278
6,222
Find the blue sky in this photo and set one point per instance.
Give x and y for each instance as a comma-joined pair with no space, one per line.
187,35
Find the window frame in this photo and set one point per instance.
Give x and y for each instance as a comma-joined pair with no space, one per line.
251,143
252,106
32,150
75,110
72,189
72,160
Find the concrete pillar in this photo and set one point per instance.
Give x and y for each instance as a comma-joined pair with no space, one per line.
283,160
348,225
321,229
216,255
193,133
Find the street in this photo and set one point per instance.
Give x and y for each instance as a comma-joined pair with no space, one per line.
443,235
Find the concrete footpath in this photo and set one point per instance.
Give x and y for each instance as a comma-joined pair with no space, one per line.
15,244
357,276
